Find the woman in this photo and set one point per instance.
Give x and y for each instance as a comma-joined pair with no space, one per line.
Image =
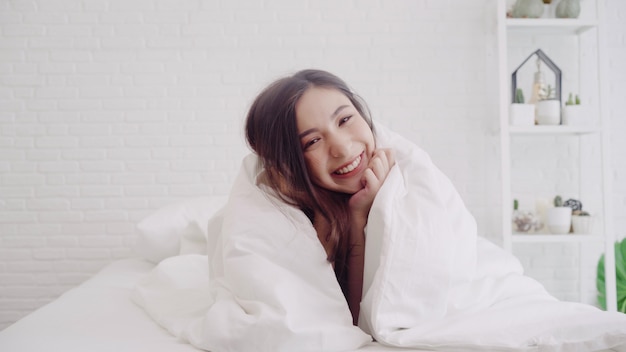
326,163
424,279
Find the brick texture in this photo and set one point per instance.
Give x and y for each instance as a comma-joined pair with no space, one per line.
112,108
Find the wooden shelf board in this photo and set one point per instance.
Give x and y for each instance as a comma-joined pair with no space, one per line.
558,26
549,238
554,130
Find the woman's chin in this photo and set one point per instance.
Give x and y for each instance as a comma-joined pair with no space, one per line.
352,189
350,186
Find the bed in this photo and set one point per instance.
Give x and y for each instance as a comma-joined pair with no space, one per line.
99,315
95,316
248,272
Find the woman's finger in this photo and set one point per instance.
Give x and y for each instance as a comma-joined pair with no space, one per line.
391,159
377,167
380,163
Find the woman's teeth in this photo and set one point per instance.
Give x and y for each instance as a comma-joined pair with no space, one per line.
352,166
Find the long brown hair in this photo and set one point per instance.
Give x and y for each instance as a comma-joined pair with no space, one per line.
271,131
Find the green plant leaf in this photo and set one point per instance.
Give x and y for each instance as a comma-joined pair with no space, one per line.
600,286
620,255
620,277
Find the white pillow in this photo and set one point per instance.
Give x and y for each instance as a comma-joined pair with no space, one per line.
177,228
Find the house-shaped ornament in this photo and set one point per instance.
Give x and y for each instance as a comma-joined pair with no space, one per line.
550,64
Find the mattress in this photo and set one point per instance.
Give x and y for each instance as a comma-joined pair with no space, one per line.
99,315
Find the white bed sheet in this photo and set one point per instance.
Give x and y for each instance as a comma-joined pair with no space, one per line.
100,316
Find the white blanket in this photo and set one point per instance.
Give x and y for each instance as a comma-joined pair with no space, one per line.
430,281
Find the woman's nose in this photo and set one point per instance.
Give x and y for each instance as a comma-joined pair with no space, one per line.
339,146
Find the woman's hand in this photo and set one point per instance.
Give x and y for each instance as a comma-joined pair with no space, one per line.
382,161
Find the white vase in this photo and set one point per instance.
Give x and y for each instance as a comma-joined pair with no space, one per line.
582,224
559,220
527,9
568,9
548,112
573,115
549,9
521,114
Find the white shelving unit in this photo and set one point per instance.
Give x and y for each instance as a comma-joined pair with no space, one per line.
510,31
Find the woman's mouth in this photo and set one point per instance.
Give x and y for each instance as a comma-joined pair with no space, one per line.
350,167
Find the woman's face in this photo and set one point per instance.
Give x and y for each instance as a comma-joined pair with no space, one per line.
336,140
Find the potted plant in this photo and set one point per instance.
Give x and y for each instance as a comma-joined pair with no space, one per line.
559,217
572,111
527,9
620,277
548,109
524,221
568,9
582,221
520,113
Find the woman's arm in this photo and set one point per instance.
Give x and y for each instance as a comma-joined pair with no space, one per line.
355,262
355,258
360,204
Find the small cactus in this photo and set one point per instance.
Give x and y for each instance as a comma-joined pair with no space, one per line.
547,93
519,96
558,201
575,204
515,204
527,9
572,101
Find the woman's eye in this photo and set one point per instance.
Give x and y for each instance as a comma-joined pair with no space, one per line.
344,120
311,142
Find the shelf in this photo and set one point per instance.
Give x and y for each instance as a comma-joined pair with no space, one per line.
545,26
547,238
553,130
581,43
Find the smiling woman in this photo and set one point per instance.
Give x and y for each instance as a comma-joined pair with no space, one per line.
326,228
335,171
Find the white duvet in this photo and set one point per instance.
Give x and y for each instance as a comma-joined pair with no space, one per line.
430,281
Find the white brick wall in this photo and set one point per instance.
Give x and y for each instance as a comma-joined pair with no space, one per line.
112,108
